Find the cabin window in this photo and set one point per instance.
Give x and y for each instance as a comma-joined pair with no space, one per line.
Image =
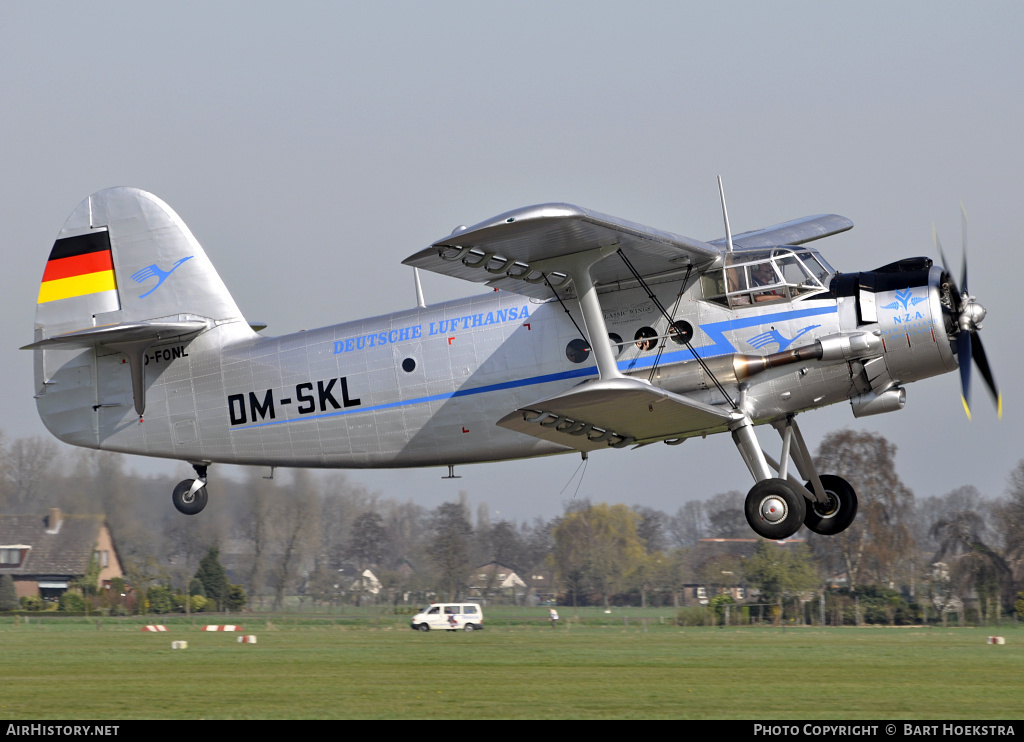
577,351
645,338
681,332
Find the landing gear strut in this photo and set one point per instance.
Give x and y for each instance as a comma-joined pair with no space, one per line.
777,506
190,495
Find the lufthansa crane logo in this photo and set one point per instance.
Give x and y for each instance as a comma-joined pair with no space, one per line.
154,271
774,336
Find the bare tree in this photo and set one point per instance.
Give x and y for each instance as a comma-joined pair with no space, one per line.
725,516
450,544
366,546
25,466
879,546
689,525
974,567
652,528
1010,522
295,521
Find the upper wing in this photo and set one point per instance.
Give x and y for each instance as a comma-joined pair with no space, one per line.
519,250
516,250
796,232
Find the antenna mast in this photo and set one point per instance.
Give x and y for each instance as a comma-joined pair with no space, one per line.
725,215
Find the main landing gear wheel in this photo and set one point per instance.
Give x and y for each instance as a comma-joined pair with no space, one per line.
187,500
774,509
838,513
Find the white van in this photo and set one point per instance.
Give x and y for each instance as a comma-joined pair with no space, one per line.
450,617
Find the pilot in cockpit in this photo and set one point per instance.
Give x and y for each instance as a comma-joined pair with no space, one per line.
762,274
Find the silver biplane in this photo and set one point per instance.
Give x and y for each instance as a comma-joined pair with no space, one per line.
600,333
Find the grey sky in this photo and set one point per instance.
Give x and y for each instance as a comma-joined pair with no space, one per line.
311,147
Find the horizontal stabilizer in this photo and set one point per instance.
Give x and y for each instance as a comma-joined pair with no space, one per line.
121,333
614,412
131,338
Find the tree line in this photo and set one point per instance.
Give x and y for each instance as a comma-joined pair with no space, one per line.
322,539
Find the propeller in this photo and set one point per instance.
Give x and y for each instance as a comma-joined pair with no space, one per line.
968,314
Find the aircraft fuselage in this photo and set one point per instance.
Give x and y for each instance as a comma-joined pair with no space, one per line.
424,387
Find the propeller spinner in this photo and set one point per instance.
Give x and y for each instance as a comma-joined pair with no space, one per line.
968,315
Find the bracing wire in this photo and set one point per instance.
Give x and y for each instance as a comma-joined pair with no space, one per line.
582,335
583,465
654,299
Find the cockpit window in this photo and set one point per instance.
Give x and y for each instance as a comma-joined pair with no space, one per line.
817,266
766,275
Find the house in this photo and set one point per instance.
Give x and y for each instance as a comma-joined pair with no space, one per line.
44,553
714,566
349,580
495,578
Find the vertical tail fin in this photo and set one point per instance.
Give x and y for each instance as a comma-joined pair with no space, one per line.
124,273
124,256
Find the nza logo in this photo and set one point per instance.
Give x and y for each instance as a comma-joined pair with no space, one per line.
774,336
154,271
904,301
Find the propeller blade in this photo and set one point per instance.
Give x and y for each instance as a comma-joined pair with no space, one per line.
978,352
969,316
949,271
963,357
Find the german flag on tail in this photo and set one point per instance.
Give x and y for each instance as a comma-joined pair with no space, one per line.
81,266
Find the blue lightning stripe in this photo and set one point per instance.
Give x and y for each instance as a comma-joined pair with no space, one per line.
718,347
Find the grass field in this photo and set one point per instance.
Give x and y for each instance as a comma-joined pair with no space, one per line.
305,669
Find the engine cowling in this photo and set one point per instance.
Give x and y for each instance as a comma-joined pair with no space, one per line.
907,304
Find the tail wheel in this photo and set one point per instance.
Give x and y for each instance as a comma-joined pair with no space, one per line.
838,513
774,509
188,501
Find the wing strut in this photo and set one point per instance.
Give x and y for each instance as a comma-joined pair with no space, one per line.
687,336
578,266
